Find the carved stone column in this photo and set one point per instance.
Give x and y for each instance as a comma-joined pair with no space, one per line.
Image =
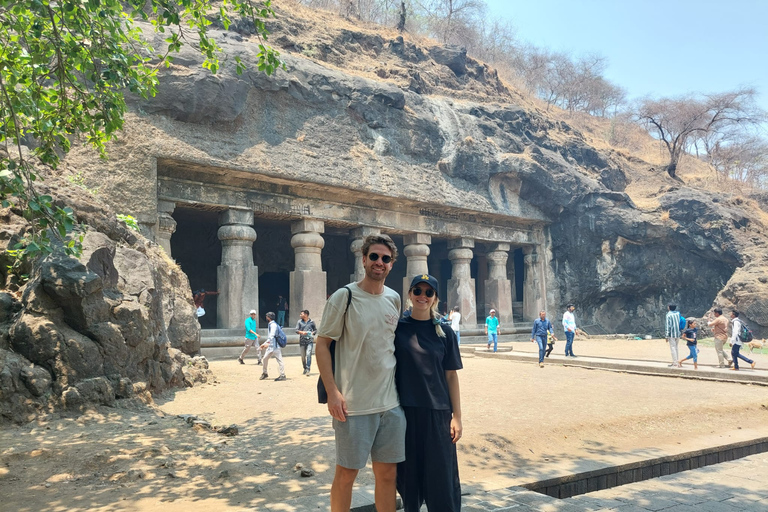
533,298
308,281
461,286
358,236
237,276
166,225
416,251
498,289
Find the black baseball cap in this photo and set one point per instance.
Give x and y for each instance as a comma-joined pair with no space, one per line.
425,278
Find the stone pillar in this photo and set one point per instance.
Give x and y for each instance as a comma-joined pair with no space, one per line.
533,298
308,281
498,289
358,236
461,286
166,225
416,251
237,276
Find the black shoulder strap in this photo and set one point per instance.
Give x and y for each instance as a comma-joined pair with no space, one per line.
349,299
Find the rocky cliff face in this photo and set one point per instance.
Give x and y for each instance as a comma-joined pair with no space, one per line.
118,323
358,110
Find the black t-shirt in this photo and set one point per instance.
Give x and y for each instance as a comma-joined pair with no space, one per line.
690,333
422,360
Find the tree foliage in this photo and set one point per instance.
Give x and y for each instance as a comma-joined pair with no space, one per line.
65,66
680,122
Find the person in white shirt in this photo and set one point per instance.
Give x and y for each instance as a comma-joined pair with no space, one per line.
736,342
569,326
455,318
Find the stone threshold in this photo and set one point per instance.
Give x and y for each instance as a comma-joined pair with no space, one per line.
614,476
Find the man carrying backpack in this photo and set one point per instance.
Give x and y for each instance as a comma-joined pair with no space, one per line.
672,331
273,349
736,341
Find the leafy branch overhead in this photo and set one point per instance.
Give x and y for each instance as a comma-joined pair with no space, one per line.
64,69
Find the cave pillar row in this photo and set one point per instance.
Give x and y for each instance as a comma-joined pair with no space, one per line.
416,251
534,285
358,237
237,276
498,289
307,281
461,286
166,225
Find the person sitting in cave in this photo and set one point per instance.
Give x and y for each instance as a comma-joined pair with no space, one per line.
199,298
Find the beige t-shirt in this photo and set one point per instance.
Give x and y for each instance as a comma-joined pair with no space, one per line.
720,327
365,353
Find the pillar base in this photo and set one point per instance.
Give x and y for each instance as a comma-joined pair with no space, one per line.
308,291
498,294
238,295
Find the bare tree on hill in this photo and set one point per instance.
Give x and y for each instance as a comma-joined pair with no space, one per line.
679,122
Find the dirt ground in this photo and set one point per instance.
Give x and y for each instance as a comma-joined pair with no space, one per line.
521,424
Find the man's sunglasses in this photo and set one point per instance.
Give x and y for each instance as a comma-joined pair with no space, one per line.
429,292
375,257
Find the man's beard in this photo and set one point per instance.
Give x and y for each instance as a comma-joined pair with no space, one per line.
375,277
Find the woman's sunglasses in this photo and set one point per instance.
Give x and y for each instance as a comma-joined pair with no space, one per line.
384,259
429,292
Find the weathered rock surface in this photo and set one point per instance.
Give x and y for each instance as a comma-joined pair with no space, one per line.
357,111
90,331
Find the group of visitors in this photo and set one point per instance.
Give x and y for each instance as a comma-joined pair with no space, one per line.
272,347
677,327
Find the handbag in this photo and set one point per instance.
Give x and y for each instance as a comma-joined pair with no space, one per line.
322,394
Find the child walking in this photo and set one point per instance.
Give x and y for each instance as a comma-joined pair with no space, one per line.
689,335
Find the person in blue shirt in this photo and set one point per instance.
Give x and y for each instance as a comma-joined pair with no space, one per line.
690,335
542,326
250,337
492,330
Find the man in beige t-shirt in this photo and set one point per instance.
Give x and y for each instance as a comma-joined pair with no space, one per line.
362,398
720,329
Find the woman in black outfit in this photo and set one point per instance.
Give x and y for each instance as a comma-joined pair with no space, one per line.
427,359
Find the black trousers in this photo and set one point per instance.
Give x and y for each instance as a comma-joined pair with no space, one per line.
430,473
550,346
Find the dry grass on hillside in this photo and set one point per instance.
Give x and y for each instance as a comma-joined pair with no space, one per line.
629,145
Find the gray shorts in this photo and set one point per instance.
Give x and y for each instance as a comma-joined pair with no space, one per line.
382,435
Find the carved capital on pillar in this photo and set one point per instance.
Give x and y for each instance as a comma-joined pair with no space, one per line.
417,239
230,235
460,255
461,243
530,256
165,224
165,206
416,251
236,216
307,226
497,264
364,231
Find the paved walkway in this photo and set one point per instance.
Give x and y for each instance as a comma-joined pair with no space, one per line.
706,371
740,485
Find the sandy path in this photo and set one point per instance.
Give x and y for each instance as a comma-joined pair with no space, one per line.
521,423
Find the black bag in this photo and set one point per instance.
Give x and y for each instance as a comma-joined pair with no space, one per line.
322,394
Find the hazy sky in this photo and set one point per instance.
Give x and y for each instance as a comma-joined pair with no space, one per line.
655,47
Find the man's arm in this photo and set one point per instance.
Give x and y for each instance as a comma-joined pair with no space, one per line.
337,405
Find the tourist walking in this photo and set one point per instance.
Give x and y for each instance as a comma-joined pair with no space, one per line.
541,327
736,341
672,331
428,384
282,307
306,330
492,329
250,337
455,319
550,344
569,326
690,336
198,298
272,349
720,330
362,398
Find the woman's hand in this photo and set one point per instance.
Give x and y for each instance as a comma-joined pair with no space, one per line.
456,429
